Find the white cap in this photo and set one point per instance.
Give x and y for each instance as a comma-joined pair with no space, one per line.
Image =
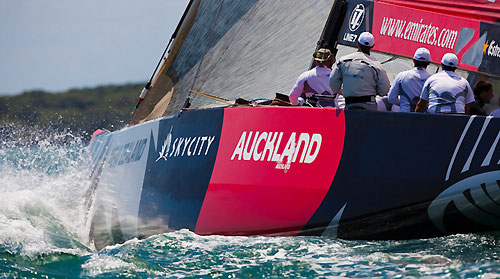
422,54
366,39
450,59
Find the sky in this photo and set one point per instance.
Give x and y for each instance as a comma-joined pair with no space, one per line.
55,45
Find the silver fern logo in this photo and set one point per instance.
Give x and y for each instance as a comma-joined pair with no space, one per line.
165,147
480,204
476,197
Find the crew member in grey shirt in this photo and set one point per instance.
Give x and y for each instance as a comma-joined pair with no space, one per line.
360,77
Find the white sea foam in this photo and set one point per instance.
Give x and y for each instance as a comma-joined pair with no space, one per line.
41,212
41,190
100,263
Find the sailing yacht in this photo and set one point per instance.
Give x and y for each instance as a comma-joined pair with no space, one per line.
193,158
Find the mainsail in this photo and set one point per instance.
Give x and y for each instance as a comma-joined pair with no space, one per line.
223,171
246,49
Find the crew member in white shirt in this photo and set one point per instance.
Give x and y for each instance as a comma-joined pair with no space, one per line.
314,81
407,86
446,91
496,112
360,77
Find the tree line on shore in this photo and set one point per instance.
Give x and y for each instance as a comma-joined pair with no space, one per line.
77,111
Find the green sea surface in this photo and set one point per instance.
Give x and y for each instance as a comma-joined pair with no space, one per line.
43,235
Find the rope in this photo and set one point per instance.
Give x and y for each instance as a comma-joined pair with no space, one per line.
161,58
389,60
146,88
259,99
218,99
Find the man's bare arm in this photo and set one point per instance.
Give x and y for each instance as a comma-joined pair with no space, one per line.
422,105
467,109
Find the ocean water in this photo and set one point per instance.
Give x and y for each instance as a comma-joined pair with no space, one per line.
42,235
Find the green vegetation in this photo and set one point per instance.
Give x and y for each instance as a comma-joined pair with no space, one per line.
80,111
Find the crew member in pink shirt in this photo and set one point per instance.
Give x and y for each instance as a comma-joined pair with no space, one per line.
315,81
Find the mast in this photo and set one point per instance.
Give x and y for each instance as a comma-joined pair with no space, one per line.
333,26
158,91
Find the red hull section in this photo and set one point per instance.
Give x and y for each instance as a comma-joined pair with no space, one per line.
298,171
291,170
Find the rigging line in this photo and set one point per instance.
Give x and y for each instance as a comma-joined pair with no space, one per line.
161,59
204,103
148,85
212,97
389,60
146,88
206,48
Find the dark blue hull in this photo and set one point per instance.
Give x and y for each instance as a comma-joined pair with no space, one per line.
297,171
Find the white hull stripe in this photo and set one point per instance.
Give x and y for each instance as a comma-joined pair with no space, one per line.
458,146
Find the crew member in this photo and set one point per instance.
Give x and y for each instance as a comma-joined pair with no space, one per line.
314,81
360,76
483,93
383,104
446,91
496,112
408,84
